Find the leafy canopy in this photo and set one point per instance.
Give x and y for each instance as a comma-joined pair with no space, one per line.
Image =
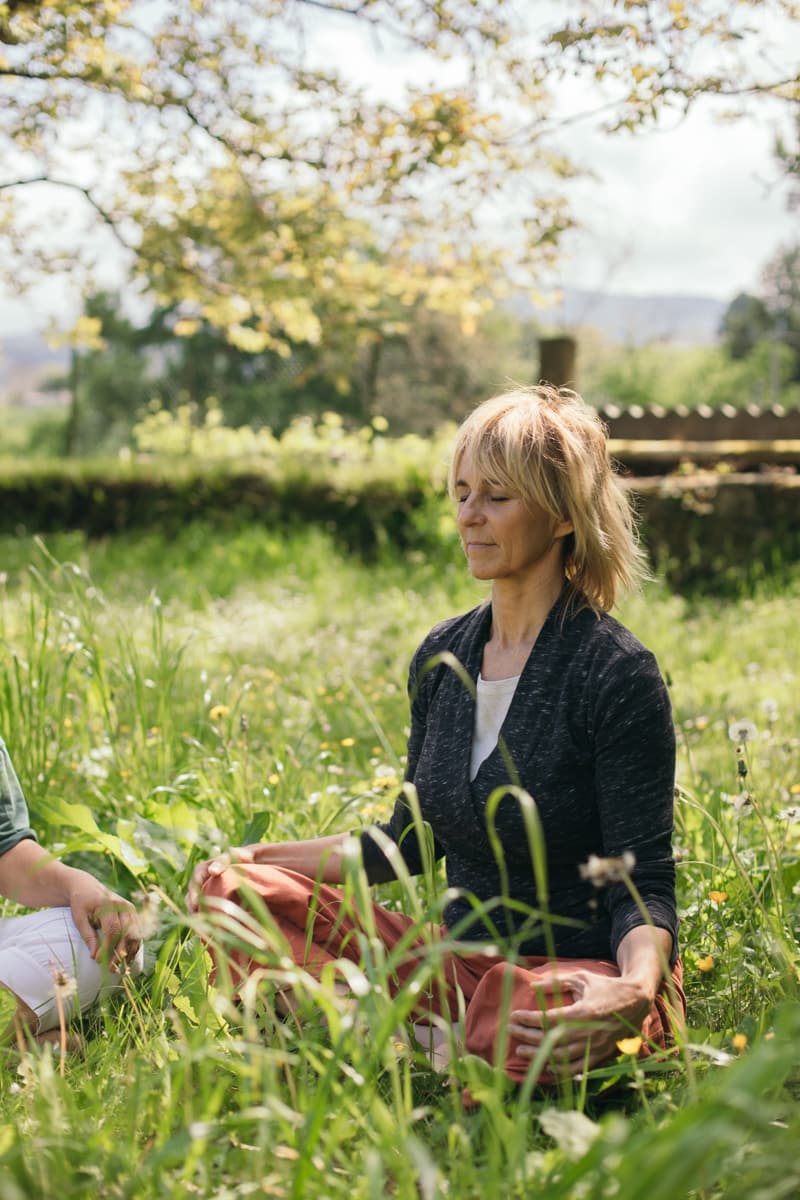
259,181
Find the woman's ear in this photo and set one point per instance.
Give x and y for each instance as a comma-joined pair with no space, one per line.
562,528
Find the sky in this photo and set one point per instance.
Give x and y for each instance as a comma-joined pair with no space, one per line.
694,207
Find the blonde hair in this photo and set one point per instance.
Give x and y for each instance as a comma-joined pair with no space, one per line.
550,448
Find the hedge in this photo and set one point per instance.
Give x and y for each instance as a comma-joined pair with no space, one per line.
705,528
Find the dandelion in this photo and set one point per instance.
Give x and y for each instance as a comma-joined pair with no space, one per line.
769,708
739,1041
273,778
218,711
794,790
706,964
700,722
602,871
742,802
742,732
718,897
348,741
64,985
629,1045
791,814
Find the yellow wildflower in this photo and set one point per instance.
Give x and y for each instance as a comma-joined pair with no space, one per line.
629,1045
705,964
273,779
739,1041
218,711
348,741
718,897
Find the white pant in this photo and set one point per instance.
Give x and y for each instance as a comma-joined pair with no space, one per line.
37,949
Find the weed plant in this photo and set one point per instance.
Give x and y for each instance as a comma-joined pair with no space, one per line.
164,701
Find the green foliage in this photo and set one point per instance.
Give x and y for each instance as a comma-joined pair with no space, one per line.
767,327
670,376
261,687
252,181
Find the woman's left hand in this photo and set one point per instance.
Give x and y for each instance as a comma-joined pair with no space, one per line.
599,1011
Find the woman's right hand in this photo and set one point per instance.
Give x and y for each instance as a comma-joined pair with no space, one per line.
215,866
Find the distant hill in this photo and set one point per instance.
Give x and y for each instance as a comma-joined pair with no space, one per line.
635,320
26,361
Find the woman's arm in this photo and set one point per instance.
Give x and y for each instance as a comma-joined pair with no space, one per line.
317,858
106,922
601,1009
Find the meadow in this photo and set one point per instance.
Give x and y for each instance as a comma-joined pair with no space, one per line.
164,699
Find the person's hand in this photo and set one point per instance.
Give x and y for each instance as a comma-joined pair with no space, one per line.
106,922
591,1014
215,866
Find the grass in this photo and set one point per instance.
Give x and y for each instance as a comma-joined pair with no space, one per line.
165,700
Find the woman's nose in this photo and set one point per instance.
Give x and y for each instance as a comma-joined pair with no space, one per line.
470,512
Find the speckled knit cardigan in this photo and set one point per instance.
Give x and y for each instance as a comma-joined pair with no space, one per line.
591,738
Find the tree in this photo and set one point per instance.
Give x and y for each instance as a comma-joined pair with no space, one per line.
745,323
781,280
250,183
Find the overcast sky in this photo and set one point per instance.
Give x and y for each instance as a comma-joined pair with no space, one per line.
696,207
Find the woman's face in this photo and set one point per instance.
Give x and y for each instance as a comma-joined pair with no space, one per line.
504,538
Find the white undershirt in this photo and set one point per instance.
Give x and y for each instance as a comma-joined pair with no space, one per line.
493,702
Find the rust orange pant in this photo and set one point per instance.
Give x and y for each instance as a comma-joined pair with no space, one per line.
320,928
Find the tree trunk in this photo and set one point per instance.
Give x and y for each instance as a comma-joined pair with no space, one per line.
73,417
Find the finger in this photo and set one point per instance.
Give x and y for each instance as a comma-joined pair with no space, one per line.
88,933
533,1018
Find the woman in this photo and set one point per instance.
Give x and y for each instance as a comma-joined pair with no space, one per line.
562,702
55,962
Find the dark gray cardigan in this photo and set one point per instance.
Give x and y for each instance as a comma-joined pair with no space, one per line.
591,738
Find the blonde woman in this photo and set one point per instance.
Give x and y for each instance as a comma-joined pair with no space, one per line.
54,962
541,691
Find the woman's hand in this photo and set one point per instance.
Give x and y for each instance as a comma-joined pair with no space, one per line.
106,922
590,1014
215,866
318,858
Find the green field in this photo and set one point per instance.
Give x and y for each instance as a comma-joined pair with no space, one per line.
165,699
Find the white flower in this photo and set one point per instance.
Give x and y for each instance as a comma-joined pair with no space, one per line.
742,731
742,801
63,985
602,871
770,710
791,814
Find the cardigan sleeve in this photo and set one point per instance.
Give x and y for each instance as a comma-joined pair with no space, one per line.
400,827
14,823
634,743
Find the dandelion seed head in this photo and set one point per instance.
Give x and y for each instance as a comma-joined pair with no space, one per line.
602,871
742,732
63,985
790,814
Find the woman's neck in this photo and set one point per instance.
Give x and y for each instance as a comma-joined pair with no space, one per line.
519,610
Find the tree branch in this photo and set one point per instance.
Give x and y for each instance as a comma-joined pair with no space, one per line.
103,213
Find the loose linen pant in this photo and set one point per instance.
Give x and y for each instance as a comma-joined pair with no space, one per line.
320,928
43,950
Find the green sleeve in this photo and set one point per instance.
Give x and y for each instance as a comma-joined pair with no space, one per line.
14,826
